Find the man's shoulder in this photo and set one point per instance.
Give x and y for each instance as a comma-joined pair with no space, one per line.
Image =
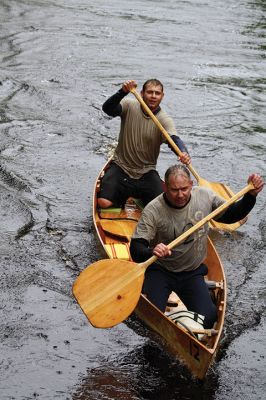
205,194
130,102
162,114
201,190
154,204
166,121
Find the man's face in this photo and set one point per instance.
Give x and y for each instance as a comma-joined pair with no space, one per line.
178,190
152,95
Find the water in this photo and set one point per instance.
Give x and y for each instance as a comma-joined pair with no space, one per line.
59,61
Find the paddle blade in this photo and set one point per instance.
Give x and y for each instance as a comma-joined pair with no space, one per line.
220,188
108,291
225,192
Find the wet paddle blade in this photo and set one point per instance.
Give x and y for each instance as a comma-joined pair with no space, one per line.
108,291
220,188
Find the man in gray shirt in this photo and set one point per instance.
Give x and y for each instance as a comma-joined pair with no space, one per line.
166,217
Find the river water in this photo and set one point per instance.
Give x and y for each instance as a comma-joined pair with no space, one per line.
59,61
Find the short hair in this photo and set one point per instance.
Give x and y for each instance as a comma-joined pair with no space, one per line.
178,169
152,81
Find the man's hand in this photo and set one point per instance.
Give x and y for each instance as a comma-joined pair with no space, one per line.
129,85
161,250
185,158
257,182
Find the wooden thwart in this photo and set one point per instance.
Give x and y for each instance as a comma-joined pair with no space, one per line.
122,228
208,332
108,290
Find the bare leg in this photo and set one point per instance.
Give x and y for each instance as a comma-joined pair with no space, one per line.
104,203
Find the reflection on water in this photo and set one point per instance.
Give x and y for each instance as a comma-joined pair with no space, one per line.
59,62
146,373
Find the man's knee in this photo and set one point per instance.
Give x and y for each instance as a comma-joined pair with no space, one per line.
104,203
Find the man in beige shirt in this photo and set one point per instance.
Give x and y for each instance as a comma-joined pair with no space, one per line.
133,169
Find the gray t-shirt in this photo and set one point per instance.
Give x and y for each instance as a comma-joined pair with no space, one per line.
160,223
140,139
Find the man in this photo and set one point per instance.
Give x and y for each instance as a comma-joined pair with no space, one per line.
169,215
133,170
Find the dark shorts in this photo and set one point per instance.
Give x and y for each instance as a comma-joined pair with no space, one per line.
117,186
189,286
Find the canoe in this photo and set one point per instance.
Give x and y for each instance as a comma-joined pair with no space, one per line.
114,228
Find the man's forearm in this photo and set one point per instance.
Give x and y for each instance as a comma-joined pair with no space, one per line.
238,210
140,250
180,144
112,106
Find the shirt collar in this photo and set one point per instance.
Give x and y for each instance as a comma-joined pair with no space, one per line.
171,205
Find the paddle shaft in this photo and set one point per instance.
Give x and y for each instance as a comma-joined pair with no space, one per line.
199,224
164,132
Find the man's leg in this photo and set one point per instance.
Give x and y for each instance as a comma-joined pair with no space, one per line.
156,286
150,186
196,296
112,191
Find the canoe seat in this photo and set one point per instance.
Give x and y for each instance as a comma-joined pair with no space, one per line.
118,250
174,303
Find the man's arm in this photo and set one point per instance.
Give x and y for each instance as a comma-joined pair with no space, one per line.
238,210
140,250
112,106
184,157
168,124
180,144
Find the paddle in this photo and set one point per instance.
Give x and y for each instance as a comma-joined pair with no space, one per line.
108,290
220,188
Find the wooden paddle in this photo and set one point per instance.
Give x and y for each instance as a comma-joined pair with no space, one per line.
108,290
220,188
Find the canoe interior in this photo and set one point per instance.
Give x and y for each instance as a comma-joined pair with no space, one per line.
114,228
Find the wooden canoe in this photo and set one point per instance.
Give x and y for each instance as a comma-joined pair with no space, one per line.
114,228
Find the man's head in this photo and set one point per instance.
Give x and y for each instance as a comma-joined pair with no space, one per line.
178,185
152,93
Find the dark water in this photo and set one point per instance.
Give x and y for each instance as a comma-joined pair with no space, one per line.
59,61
